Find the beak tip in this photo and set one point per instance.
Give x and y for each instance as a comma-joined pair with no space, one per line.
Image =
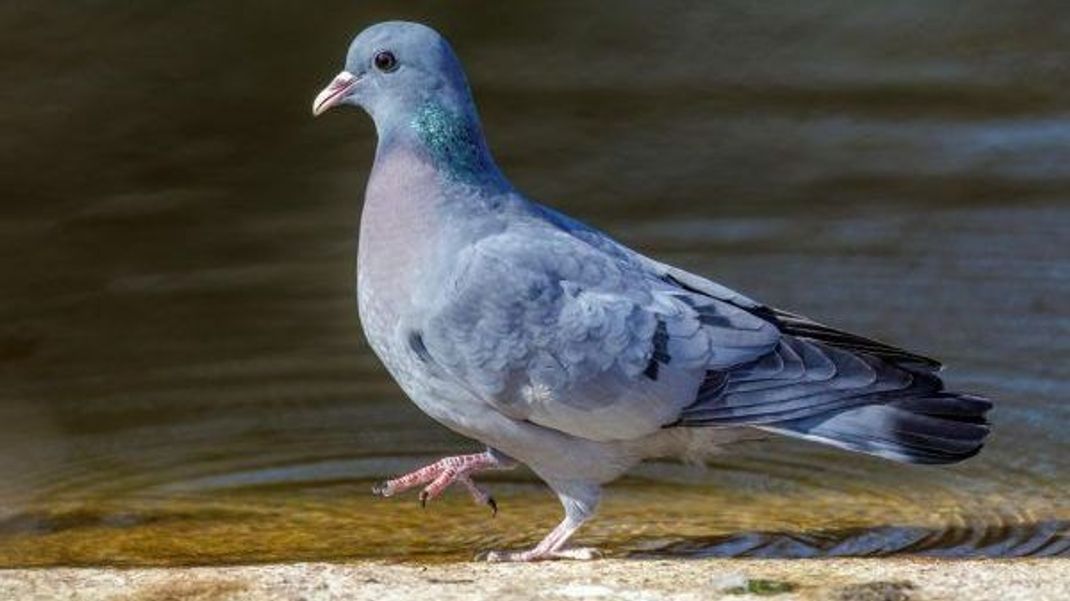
335,93
322,104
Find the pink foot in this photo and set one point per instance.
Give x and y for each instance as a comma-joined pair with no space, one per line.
551,547
439,475
574,553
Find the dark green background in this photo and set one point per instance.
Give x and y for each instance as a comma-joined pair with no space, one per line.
177,233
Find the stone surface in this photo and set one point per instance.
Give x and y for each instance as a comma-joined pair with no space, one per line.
638,580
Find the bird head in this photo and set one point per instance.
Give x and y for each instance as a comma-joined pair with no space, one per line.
393,70
406,76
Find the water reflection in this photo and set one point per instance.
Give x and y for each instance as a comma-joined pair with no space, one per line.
1044,539
182,378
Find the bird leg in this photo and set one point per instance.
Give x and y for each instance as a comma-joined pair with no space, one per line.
440,474
551,547
578,509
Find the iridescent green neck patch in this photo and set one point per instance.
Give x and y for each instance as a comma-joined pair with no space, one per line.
454,143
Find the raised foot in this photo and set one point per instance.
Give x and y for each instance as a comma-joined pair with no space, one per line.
440,475
576,553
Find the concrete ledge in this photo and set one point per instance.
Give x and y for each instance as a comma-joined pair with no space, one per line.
784,580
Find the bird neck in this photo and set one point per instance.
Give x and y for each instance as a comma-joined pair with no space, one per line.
451,139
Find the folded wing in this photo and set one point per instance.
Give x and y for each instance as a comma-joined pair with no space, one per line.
547,328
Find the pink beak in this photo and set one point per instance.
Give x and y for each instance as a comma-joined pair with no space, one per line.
334,93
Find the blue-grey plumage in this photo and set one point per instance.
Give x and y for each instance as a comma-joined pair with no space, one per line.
560,348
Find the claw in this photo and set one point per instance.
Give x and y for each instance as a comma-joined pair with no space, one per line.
441,474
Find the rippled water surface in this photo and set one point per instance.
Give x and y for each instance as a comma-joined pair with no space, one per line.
182,376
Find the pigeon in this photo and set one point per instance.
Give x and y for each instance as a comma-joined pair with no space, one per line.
561,349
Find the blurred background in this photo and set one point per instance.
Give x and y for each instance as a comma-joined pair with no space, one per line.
182,375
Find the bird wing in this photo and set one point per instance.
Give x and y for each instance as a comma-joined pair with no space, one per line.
788,323
550,328
555,323
831,386
795,325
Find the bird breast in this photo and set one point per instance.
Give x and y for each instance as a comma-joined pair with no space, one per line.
397,244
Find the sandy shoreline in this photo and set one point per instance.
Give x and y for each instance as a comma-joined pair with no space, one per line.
839,579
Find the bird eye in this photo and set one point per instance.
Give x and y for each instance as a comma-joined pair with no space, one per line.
385,61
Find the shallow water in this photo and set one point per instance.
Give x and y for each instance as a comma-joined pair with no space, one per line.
182,376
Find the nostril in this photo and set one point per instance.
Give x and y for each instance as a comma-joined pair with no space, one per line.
342,80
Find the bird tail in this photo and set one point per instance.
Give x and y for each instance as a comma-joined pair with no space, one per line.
935,427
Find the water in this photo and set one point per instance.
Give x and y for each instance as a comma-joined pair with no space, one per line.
182,376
